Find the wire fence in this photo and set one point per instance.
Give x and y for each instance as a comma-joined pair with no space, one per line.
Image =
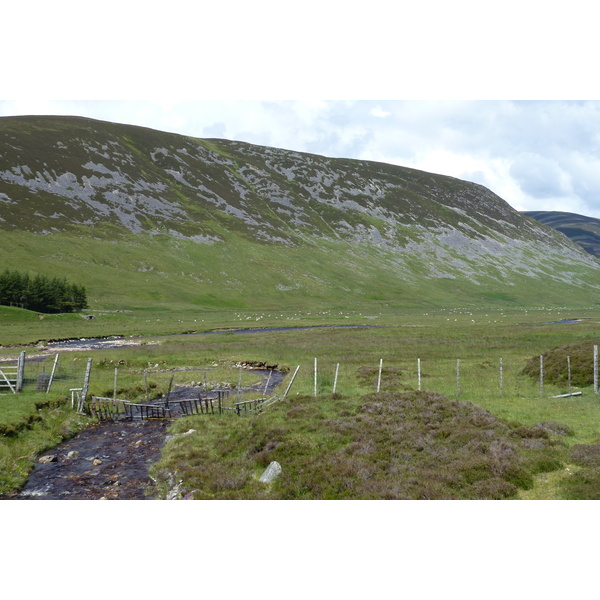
57,373
454,377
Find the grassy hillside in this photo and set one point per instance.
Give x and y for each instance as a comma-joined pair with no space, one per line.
144,219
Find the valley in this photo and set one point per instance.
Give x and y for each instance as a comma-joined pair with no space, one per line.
412,304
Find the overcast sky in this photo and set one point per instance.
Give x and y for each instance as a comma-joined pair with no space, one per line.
448,75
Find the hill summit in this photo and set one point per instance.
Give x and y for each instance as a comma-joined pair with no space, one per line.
143,217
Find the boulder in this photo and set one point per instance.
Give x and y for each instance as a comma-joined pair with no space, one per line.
271,472
49,458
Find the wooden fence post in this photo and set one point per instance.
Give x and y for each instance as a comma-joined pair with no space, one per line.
146,383
569,372
169,391
501,377
267,384
86,384
458,377
20,372
291,381
315,377
337,368
595,369
115,384
52,374
379,376
541,374
419,373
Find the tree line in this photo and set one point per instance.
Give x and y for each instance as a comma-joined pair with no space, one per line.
40,293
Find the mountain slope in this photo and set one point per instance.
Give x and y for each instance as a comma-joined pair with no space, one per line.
583,230
142,217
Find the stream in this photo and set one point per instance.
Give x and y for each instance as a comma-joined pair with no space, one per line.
111,460
116,341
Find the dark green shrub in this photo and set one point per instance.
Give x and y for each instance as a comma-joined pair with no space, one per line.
582,485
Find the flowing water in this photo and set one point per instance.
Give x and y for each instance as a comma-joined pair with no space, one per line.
111,460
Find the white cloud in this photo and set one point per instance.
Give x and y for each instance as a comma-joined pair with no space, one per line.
379,112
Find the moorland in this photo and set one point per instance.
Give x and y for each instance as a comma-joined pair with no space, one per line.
435,298
484,435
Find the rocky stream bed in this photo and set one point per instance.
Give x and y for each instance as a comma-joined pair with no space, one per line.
111,460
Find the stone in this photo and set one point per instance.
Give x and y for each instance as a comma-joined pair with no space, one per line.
271,472
73,454
49,458
96,462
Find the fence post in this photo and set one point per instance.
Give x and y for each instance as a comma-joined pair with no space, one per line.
569,372
541,374
86,384
292,381
52,374
169,391
419,373
267,384
115,384
501,376
315,377
458,377
20,372
337,368
379,376
146,383
595,369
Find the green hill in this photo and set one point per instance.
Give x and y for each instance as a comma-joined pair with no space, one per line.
144,218
584,231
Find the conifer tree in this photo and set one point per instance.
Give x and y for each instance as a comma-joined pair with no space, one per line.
40,293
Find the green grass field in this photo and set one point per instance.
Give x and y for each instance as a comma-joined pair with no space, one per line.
440,339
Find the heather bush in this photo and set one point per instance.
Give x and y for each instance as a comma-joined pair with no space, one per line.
556,371
391,378
585,455
554,428
391,445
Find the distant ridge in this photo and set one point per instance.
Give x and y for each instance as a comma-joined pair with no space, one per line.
147,218
584,231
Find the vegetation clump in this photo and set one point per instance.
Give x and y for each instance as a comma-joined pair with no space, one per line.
415,445
584,482
391,378
556,365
